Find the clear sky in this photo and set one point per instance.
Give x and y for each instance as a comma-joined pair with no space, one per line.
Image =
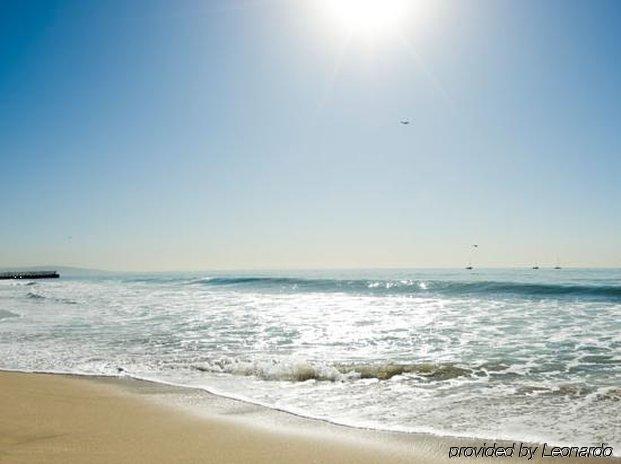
163,135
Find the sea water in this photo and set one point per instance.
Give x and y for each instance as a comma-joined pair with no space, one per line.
508,354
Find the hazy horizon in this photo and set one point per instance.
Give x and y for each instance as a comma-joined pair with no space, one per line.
81,269
266,134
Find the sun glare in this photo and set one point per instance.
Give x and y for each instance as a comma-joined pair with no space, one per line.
368,16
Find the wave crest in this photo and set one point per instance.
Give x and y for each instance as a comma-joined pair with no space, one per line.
35,296
409,287
301,371
38,296
427,370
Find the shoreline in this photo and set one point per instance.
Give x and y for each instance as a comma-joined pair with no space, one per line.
50,417
138,384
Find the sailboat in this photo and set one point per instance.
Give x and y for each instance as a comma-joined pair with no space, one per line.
469,266
558,264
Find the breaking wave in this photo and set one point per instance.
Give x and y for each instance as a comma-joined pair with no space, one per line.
21,283
38,296
35,296
301,371
406,287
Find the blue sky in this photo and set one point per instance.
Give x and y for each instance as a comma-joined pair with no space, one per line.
265,134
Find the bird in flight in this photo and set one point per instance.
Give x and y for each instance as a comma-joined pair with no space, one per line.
405,122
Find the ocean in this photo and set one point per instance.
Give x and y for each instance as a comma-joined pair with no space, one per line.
530,355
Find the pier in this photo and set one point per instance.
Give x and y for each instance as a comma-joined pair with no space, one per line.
29,275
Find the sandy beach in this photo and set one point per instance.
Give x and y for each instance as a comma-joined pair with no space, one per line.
72,419
62,419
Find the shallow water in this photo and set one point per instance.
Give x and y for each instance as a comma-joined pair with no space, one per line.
514,354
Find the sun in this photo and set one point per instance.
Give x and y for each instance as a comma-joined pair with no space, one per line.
369,17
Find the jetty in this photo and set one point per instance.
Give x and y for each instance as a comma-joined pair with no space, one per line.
29,275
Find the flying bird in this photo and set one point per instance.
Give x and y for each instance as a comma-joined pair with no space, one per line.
405,122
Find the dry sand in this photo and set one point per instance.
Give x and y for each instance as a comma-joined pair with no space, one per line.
63,419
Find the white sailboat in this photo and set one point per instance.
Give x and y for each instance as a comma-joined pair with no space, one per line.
469,267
